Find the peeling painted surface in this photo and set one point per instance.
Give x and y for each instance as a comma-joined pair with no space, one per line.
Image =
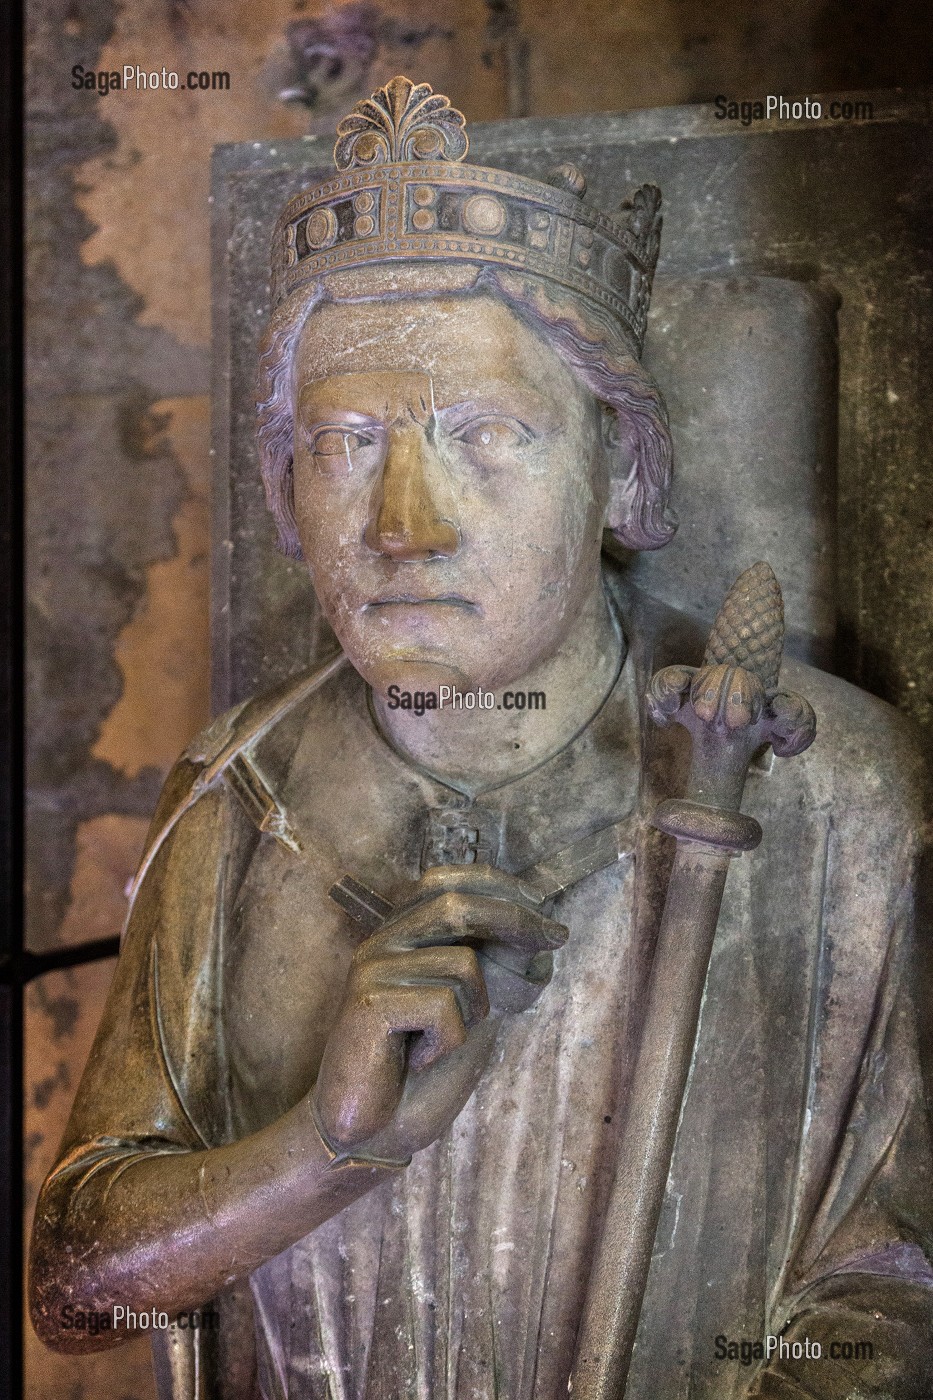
118,464
163,652
113,496
95,527
156,181
108,849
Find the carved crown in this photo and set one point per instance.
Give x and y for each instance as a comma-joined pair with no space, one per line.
404,193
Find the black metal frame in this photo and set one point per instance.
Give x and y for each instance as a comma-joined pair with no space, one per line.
11,692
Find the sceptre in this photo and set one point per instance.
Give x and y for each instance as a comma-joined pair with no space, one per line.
731,707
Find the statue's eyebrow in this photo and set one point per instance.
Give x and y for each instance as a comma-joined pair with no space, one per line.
345,392
345,395
505,398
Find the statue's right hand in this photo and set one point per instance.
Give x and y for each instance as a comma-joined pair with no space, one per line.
412,1035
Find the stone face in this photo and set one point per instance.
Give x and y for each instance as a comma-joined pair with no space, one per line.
118,286
737,204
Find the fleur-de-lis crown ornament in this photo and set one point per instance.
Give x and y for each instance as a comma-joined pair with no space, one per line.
403,192
401,122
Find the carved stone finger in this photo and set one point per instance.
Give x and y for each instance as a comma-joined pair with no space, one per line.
434,1096
478,879
454,966
363,1070
432,1013
361,1076
454,917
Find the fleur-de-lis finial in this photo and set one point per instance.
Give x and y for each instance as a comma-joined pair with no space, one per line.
401,122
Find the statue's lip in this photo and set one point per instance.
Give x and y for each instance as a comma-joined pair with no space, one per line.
452,600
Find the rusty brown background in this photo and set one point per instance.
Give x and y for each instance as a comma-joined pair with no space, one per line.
118,370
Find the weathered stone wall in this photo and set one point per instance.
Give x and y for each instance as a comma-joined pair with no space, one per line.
118,374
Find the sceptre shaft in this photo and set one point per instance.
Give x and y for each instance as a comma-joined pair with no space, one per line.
731,707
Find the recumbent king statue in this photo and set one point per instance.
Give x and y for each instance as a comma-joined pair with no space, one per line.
421,1059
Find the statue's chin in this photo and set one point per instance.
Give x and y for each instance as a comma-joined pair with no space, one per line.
428,663
416,674
419,668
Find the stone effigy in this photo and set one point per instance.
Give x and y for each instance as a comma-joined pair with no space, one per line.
384,1037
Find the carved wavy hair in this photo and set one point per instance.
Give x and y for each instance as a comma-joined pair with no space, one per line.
622,386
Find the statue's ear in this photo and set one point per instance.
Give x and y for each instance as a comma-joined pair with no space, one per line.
620,442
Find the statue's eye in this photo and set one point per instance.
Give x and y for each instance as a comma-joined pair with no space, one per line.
339,442
493,434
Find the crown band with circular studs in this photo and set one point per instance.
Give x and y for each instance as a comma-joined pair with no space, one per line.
394,203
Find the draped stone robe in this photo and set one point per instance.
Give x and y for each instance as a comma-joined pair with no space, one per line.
799,1197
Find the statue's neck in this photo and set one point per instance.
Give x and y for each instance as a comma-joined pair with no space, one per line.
477,749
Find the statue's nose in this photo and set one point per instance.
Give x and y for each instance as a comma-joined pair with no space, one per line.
412,511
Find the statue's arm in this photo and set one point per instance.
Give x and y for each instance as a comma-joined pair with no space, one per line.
142,1210
139,1210
166,1229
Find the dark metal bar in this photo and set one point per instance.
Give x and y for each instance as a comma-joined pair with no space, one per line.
22,966
11,697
